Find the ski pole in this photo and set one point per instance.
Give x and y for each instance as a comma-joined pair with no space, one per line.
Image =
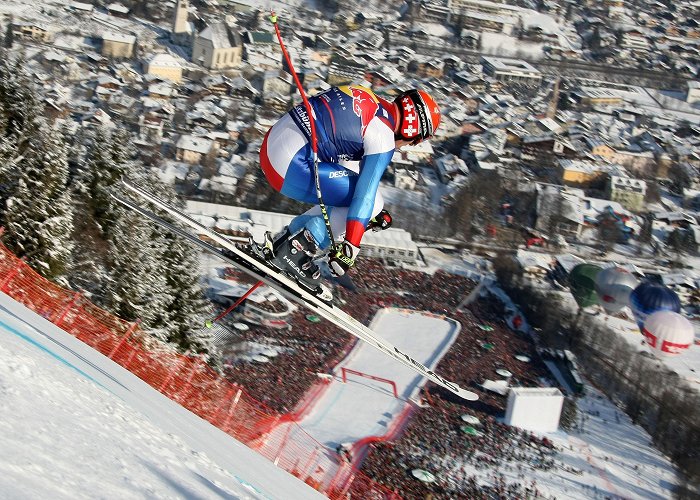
210,322
314,141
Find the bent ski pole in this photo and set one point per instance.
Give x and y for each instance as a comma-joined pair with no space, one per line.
312,122
210,322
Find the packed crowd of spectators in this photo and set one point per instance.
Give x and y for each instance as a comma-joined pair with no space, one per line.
305,349
487,344
433,439
435,442
380,286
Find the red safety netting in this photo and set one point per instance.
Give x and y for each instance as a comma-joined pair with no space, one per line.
191,383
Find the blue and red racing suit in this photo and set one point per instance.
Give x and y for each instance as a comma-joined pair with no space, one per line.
352,125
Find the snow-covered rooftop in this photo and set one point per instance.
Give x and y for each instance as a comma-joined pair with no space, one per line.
196,144
163,60
118,37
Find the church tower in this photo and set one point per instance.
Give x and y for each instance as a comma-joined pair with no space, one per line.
554,102
182,29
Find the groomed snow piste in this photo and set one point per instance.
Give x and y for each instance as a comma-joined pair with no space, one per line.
76,425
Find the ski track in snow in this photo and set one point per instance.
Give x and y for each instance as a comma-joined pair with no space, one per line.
63,434
61,416
371,403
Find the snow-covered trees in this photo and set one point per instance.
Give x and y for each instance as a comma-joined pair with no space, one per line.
37,209
39,212
21,106
185,309
149,275
65,224
19,121
136,287
107,159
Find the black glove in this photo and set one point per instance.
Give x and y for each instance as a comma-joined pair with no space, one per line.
380,222
343,258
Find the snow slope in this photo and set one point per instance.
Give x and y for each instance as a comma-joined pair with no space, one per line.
76,425
344,413
607,456
348,412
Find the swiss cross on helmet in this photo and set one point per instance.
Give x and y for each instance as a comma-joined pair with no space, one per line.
419,116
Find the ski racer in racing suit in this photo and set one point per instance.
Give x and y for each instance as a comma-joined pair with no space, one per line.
357,133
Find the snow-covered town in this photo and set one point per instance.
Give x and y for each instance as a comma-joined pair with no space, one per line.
542,249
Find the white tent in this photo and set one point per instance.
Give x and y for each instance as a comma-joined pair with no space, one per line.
534,408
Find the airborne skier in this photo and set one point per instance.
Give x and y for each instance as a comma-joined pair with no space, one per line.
352,125
242,260
370,137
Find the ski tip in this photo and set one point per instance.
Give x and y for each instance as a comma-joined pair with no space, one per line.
467,395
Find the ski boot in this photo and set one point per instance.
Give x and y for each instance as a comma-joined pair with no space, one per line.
294,256
266,250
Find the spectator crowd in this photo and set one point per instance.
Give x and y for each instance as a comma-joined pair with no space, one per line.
305,349
433,439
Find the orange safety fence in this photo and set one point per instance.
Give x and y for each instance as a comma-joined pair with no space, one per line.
359,449
191,383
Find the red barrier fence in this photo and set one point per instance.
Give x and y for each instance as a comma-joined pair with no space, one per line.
387,381
188,381
359,449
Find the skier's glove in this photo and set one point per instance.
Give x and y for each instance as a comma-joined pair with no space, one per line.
380,222
343,258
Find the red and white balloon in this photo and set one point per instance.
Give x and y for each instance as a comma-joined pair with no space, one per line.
668,333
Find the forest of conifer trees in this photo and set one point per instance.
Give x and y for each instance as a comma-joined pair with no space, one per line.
55,180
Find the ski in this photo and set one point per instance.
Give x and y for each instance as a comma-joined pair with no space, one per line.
285,285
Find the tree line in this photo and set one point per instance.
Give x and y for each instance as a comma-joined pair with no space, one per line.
642,386
55,205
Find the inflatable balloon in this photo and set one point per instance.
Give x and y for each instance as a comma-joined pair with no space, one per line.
650,297
582,284
668,333
614,286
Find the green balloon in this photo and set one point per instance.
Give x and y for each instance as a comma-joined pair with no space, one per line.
582,284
